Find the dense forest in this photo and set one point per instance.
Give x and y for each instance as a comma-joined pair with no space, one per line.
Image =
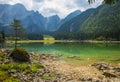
102,23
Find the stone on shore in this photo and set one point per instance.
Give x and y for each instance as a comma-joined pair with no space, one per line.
108,70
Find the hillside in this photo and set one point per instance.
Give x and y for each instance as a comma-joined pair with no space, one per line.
101,23
104,23
72,26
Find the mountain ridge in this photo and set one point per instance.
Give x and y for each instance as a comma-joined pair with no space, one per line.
101,24
32,21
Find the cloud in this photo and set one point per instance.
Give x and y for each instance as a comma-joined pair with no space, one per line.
52,7
3,1
38,0
50,11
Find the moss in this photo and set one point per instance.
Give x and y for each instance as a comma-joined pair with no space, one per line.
1,57
5,78
34,68
2,76
21,67
11,79
16,66
24,67
50,76
19,54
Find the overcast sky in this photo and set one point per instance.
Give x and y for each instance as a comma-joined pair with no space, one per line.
53,7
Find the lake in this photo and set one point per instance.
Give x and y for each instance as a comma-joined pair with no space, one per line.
75,52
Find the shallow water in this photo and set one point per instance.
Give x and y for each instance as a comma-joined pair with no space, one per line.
74,52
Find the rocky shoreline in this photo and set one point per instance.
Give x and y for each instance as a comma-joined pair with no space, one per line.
47,68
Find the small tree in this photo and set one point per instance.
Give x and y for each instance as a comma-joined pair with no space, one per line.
16,27
18,54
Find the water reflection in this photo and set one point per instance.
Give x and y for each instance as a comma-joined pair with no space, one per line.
79,49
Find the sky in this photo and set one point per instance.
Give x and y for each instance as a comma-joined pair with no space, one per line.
54,7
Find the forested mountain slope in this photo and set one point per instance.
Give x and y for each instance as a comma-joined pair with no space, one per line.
102,23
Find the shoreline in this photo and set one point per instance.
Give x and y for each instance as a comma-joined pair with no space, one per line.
66,41
56,70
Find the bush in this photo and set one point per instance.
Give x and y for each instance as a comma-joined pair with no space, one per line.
19,54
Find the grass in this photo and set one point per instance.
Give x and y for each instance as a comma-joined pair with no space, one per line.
34,68
29,41
5,78
21,67
50,76
16,66
1,57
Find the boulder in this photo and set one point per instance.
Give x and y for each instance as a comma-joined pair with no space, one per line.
108,71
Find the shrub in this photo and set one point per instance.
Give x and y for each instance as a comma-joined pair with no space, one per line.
19,54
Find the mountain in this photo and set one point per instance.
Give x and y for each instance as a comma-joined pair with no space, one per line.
69,17
8,12
104,23
52,23
18,11
32,21
72,25
101,23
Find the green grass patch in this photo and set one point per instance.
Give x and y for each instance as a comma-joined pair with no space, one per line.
1,57
16,66
23,67
5,78
50,76
34,68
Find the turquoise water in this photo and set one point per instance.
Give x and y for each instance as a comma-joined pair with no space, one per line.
109,52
